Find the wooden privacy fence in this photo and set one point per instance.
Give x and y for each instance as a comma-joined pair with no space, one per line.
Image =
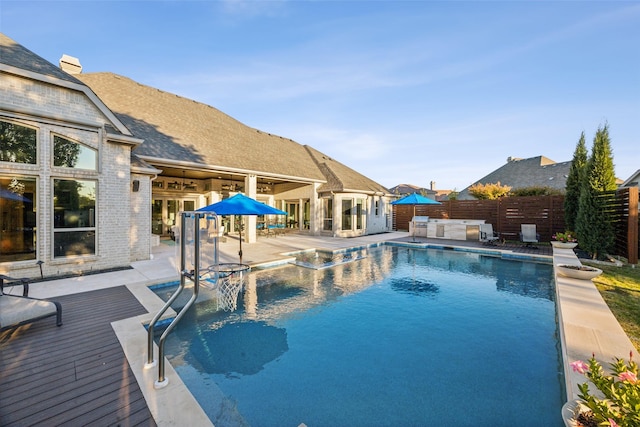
624,213
546,212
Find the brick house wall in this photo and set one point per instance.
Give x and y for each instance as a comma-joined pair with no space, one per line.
140,217
52,109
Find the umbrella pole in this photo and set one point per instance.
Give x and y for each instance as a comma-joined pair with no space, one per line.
414,225
240,230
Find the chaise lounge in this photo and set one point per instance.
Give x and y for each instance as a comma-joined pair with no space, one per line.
19,310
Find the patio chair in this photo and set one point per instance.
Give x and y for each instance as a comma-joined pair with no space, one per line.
487,235
19,310
528,234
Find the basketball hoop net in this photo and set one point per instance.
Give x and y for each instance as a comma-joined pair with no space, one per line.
229,284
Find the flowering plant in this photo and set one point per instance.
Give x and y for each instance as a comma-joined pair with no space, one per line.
618,401
566,237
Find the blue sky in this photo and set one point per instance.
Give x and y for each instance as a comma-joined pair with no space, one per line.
402,91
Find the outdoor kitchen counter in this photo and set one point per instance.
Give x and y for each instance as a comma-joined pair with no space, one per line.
453,229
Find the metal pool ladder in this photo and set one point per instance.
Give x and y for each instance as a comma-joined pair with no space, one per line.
185,274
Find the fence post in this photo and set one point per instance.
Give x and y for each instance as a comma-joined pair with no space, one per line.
632,227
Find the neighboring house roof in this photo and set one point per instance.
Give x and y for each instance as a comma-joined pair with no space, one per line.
442,195
537,171
401,189
180,130
633,180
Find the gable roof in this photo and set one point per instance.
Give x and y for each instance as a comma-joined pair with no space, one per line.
181,130
341,177
536,171
178,131
18,60
633,180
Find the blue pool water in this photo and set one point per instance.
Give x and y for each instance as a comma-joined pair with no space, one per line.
401,337
319,260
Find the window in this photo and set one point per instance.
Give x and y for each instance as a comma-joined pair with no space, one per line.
359,214
74,217
347,204
70,154
17,143
327,205
377,207
17,218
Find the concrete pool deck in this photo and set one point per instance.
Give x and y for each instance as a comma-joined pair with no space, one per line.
586,325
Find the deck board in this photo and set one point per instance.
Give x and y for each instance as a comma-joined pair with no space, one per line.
75,374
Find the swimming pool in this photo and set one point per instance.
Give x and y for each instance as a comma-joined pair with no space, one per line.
319,260
400,337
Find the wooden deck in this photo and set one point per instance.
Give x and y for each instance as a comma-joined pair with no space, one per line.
75,374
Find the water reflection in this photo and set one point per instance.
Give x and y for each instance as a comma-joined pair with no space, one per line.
321,259
242,342
528,279
414,286
237,348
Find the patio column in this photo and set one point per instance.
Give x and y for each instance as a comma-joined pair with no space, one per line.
316,210
251,189
300,214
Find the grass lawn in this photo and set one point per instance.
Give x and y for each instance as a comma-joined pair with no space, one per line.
620,288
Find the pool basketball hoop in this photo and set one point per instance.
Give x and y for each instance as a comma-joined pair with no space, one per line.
229,284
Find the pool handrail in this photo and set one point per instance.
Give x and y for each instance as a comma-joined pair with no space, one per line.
185,274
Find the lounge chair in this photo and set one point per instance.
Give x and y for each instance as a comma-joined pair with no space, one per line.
19,310
487,235
528,234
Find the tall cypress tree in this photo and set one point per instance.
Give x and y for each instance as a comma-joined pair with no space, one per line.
593,226
575,182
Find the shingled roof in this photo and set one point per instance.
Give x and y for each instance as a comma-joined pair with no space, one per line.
17,60
179,129
341,177
517,173
18,56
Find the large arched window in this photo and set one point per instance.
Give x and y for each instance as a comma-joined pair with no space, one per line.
18,144
70,154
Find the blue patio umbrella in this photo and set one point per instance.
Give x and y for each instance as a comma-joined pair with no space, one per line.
415,199
241,205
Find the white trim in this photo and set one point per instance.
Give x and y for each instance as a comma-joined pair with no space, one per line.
635,175
124,139
225,169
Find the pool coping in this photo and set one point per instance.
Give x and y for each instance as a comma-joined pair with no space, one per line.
585,323
173,404
581,332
